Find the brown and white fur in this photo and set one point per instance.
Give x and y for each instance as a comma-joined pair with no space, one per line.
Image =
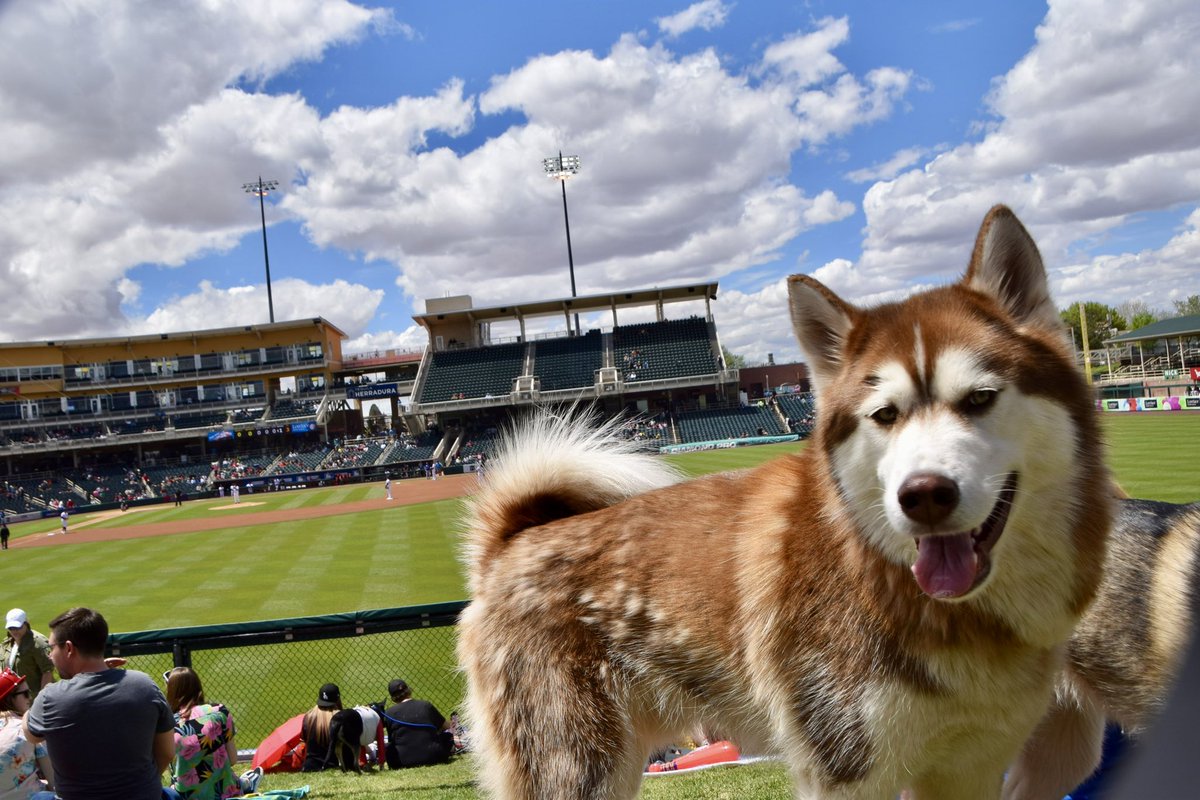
784,605
1125,653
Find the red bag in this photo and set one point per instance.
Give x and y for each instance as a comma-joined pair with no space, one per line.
292,760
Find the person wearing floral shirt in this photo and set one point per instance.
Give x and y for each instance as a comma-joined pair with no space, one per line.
20,760
204,750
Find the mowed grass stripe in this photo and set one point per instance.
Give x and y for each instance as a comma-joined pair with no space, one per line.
400,555
246,573
1154,455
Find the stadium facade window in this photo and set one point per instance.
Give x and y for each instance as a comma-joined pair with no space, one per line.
48,372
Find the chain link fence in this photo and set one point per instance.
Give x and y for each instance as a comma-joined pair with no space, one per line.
269,671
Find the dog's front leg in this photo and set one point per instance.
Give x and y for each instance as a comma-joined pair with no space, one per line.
1061,753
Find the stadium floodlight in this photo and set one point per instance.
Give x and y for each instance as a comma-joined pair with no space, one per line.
560,168
260,188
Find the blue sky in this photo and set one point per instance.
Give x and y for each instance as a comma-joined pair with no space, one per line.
739,142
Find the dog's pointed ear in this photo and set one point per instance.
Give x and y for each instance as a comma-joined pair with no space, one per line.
821,320
1006,264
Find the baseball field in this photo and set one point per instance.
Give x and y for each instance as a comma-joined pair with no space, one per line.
347,548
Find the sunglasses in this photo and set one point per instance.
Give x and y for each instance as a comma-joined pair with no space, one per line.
24,692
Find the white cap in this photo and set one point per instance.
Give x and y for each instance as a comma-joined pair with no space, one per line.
16,618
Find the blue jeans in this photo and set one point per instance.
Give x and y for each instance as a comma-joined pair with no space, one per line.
43,796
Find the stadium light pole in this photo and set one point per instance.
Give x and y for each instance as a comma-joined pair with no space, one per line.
560,168
260,188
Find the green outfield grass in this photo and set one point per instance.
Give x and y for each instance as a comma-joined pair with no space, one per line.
401,555
1155,456
398,556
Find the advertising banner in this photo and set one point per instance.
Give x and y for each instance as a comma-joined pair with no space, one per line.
1152,404
373,391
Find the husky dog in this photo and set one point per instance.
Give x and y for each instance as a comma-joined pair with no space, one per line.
887,610
1125,653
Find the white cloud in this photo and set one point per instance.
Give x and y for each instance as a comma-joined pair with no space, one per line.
807,59
900,161
124,146
94,80
756,324
348,306
136,150
651,204
1092,126
955,25
1156,277
411,339
707,14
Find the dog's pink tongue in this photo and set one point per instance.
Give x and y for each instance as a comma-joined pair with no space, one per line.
946,565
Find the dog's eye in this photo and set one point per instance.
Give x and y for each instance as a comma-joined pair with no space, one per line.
886,415
981,400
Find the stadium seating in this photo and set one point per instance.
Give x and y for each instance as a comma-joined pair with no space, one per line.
199,420
668,349
288,408
474,372
472,446
727,423
568,363
244,466
245,415
420,448
21,495
128,427
306,460
355,454
106,484
176,477
799,409
78,431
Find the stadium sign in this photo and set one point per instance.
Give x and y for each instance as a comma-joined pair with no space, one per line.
373,391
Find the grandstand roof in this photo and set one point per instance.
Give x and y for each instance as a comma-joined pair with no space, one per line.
1163,329
177,335
562,305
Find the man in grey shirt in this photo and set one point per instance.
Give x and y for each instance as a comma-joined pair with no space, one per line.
109,731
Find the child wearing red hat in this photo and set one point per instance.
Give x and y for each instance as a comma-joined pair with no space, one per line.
20,761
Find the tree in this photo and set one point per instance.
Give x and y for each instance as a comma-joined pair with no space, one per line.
1186,308
1102,323
1138,313
732,360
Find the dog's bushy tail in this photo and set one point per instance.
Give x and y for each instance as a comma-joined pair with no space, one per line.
552,465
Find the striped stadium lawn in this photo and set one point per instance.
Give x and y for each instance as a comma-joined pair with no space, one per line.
1155,456
401,555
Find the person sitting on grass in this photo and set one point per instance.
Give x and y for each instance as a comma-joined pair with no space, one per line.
417,731
108,731
20,760
314,731
205,753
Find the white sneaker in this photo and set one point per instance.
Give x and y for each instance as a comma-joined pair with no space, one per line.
250,779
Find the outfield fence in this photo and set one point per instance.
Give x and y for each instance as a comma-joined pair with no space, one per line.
269,671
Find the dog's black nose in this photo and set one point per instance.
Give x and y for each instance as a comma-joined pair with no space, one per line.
928,498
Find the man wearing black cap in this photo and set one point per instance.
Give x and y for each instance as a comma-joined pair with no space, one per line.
417,733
